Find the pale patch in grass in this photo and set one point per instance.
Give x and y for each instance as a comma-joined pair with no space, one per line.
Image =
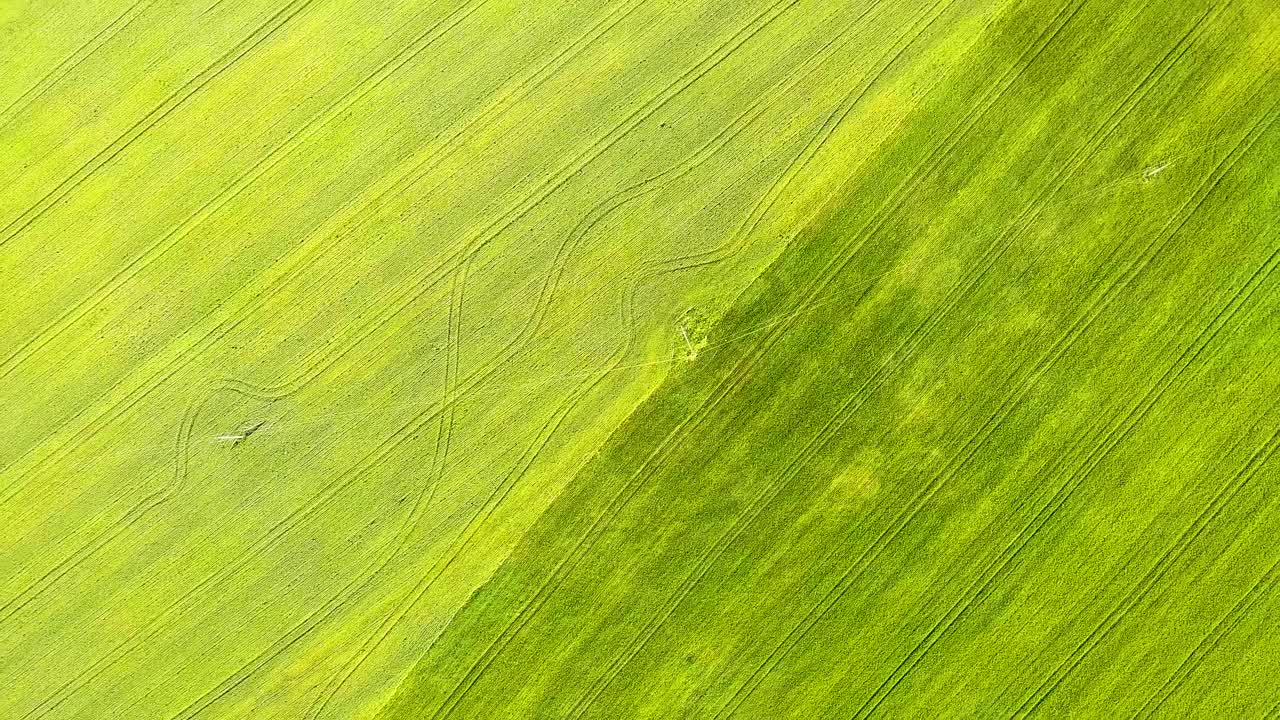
858,481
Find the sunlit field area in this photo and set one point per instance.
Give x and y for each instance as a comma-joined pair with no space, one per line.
639,359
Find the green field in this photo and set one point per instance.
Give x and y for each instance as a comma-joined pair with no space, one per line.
639,359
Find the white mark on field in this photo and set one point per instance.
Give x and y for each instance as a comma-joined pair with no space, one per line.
684,332
239,436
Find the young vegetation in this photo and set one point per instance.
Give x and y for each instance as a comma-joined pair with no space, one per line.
639,359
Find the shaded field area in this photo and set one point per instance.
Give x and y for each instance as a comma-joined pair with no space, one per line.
484,359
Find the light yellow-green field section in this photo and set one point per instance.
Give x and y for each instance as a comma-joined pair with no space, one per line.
309,308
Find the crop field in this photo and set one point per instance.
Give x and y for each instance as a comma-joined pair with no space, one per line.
638,359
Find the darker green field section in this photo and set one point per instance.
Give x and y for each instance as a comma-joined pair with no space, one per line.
994,437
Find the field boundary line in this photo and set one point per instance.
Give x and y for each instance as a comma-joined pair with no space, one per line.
897,196
410,428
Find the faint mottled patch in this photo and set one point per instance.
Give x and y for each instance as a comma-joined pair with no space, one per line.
859,480
917,391
928,268
1022,320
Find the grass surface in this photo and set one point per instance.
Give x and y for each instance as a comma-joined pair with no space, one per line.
639,359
